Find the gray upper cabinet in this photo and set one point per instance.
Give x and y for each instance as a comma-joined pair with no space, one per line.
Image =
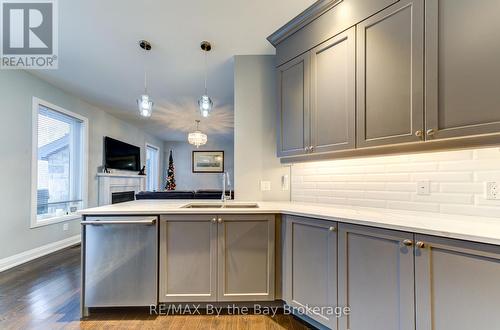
376,278
310,266
390,57
333,94
293,106
319,22
188,258
462,70
246,257
456,284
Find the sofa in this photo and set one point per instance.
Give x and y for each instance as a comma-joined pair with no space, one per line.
182,194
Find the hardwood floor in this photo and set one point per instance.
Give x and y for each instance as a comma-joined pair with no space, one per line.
45,294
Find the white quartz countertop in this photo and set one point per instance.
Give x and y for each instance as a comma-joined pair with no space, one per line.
471,228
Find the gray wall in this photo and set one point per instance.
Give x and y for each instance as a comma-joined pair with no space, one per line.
185,179
16,91
255,137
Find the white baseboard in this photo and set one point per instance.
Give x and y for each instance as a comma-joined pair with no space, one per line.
21,258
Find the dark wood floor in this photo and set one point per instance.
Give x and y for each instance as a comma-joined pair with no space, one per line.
45,294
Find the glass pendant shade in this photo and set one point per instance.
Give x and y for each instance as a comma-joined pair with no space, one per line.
197,138
206,104
145,105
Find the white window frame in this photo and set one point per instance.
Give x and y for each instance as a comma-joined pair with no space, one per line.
158,164
35,222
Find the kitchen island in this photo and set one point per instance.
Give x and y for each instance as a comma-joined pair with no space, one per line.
375,261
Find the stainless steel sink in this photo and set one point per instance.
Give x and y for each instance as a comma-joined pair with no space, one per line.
220,206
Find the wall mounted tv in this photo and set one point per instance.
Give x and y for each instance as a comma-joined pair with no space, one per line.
120,155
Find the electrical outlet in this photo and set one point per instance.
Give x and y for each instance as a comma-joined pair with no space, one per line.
423,188
265,185
492,192
65,226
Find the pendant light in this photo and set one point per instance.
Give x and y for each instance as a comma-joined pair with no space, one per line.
144,102
197,138
205,102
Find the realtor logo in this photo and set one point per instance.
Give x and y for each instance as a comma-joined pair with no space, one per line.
29,34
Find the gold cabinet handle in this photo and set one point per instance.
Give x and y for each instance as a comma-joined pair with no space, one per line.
420,245
431,132
311,148
419,133
214,220
407,242
332,228
219,220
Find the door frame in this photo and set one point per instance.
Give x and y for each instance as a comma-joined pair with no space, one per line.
158,179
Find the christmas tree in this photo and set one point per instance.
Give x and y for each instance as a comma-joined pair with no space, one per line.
170,173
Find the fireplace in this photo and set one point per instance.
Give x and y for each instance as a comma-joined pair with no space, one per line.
122,196
119,187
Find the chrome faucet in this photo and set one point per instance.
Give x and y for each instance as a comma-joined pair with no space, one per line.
226,181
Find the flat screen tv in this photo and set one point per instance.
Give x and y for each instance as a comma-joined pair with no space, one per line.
121,156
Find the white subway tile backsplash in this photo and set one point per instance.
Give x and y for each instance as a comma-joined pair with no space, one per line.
457,181
413,206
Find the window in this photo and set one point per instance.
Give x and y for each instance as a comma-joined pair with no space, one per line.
59,164
152,167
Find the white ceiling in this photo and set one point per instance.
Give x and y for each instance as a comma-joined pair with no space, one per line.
100,61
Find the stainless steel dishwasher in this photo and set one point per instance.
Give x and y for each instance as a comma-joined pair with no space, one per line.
119,261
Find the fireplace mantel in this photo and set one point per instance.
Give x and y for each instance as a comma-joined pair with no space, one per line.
109,183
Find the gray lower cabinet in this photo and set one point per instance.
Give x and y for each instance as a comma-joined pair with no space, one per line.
293,84
390,69
376,278
457,284
188,258
310,266
209,258
462,71
333,93
246,257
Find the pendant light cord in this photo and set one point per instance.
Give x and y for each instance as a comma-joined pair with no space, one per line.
206,72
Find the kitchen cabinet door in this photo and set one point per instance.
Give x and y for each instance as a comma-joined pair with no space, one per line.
310,271
462,70
456,284
376,278
293,106
188,258
390,68
246,257
333,93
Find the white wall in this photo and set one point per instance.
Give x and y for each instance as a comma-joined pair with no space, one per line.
185,179
457,180
16,91
255,129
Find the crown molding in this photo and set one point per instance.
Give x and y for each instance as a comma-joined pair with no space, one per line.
298,22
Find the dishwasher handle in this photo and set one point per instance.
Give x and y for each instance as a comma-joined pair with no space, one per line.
119,222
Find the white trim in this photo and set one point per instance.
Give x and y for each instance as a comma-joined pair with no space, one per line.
34,222
158,179
21,258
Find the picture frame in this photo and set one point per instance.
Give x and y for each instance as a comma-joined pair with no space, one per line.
211,161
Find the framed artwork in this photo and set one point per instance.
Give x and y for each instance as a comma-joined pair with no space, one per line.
208,161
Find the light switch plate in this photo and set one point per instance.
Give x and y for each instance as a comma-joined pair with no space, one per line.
265,185
285,182
423,188
65,226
